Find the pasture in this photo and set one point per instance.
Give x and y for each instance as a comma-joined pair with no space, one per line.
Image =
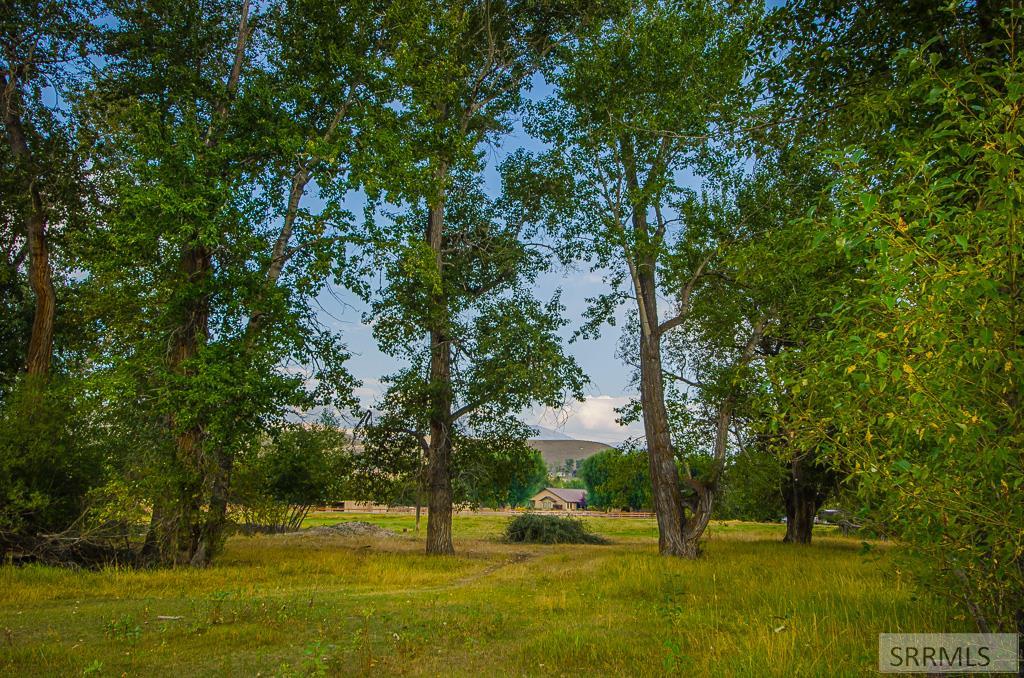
301,604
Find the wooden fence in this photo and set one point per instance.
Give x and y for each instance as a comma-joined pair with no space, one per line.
488,512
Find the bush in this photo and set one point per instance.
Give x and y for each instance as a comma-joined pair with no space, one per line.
47,467
277,482
531,528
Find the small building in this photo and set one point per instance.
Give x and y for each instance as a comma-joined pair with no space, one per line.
559,499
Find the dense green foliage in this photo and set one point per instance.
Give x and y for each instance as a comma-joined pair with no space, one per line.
928,353
913,390
532,528
277,482
46,469
751,488
617,479
528,483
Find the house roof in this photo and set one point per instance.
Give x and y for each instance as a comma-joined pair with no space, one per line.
565,494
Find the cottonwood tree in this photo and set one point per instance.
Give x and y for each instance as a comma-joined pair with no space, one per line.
212,122
480,349
917,385
48,465
635,106
714,365
463,67
43,45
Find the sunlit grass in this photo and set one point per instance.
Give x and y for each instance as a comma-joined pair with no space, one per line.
301,605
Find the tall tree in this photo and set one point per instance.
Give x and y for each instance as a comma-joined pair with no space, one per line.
916,386
39,41
211,123
464,66
635,109
763,277
500,353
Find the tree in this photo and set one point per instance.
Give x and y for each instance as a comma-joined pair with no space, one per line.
463,67
622,131
617,479
928,354
209,126
501,354
523,485
764,277
39,41
278,480
750,487
915,388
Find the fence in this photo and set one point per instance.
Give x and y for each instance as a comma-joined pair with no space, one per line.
486,512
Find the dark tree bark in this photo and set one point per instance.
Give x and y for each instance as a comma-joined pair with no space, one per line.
39,355
804,489
181,526
801,507
439,481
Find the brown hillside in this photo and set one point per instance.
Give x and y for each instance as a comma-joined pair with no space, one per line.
555,452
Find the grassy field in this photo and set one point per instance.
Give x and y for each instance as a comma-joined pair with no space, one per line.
299,604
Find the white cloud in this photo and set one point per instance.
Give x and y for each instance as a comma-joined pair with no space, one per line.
370,391
593,419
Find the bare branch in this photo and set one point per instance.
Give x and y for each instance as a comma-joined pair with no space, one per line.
684,298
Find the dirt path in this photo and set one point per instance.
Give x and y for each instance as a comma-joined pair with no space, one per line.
452,585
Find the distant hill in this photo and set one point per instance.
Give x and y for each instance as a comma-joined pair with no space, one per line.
545,433
555,452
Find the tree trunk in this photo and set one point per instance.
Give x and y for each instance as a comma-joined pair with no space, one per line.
667,495
705,490
181,527
666,492
211,538
801,499
150,553
700,516
40,346
439,506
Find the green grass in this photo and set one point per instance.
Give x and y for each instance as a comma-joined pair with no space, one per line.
301,605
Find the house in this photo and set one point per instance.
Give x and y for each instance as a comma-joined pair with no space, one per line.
559,499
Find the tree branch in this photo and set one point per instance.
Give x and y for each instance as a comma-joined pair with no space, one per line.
684,299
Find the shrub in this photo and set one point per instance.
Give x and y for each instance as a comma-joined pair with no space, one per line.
47,467
531,528
277,482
